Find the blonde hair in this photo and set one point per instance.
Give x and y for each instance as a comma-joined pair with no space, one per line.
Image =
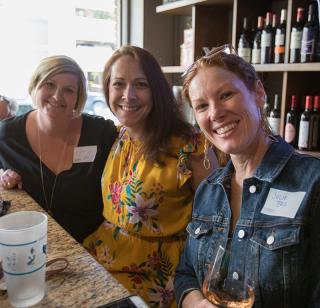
54,65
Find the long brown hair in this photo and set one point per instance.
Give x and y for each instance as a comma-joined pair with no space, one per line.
164,119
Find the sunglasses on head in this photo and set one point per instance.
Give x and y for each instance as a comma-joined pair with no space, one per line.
226,48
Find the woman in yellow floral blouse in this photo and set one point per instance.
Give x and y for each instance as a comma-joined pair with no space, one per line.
149,179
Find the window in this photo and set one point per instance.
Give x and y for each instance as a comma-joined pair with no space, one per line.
86,30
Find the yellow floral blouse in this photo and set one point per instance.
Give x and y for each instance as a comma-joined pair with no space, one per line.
147,208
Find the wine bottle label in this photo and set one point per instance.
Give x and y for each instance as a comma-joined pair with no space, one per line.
256,56
308,46
279,39
289,132
279,49
245,53
295,41
266,39
275,125
303,134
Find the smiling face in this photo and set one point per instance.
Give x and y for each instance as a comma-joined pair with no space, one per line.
58,95
226,111
130,97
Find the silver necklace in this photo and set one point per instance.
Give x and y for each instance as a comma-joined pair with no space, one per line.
49,205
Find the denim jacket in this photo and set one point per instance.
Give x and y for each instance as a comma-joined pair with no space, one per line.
278,250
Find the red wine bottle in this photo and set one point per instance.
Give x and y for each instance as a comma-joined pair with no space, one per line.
309,36
274,116
296,37
256,46
244,45
317,15
315,124
292,123
304,127
274,28
266,41
280,38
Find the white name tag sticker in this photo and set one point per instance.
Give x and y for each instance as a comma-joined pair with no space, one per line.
282,203
84,154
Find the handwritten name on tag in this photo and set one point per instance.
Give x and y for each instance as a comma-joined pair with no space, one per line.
84,154
282,203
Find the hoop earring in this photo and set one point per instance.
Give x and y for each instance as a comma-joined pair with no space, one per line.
206,161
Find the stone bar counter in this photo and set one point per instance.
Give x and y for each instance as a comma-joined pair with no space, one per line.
84,283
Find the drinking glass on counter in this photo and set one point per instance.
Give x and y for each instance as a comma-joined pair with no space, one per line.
225,291
23,242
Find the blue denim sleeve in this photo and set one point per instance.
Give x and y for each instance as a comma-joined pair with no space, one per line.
185,280
315,248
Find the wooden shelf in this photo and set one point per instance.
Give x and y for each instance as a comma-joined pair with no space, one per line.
298,67
173,69
184,7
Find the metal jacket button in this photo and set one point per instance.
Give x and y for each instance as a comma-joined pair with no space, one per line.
235,276
270,240
252,189
197,230
241,233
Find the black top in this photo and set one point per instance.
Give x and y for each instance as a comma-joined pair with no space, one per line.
77,202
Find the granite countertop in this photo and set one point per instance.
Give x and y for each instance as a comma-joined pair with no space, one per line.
85,283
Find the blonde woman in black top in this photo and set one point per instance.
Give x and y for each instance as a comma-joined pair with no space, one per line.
55,152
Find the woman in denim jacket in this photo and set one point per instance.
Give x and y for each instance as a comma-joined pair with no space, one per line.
262,207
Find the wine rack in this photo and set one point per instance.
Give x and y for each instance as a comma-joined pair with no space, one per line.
215,22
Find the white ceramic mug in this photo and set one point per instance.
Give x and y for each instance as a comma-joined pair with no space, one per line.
23,245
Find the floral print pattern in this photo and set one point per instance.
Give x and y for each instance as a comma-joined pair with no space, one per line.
147,208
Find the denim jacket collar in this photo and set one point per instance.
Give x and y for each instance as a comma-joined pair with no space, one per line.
272,164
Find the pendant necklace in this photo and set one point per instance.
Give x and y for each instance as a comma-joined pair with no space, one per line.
49,204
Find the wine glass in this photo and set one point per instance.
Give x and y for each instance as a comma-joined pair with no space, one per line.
223,291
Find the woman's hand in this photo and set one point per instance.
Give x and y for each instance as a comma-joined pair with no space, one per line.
195,299
205,304
10,179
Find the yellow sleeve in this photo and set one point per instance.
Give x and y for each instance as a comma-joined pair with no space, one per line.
195,147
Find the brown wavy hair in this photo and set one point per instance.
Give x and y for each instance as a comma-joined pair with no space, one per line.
165,119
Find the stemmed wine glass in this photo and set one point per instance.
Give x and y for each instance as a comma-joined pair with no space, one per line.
223,291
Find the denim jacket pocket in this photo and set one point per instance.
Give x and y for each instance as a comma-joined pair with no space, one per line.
197,229
279,251
276,237
202,241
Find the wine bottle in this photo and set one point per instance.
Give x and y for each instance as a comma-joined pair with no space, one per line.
266,107
317,22
244,45
266,41
309,33
292,123
296,37
280,38
304,127
315,124
274,116
256,47
273,37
